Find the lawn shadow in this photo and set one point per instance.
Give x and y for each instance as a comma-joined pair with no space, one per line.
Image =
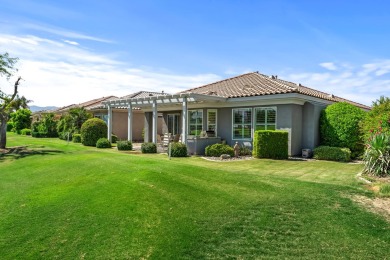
19,152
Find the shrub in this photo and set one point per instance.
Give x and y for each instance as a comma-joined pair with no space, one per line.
114,139
339,127
92,130
217,150
148,148
270,144
76,138
10,126
377,120
103,143
21,119
332,153
178,150
38,134
245,151
125,145
25,131
65,136
377,156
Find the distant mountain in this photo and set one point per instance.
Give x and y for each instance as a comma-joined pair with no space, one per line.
37,108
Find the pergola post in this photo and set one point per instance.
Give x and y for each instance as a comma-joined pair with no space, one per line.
185,122
154,126
109,121
130,122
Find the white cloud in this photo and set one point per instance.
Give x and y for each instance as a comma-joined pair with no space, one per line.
57,73
328,65
72,42
364,83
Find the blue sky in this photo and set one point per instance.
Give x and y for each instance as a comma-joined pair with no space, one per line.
73,51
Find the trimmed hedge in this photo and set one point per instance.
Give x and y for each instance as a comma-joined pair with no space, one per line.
25,131
339,127
92,130
178,150
270,144
76,138
103,143
114,139
148,148
124,145
332,153
216,150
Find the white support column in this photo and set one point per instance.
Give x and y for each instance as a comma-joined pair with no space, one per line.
154,126
185,122
109,121
130,122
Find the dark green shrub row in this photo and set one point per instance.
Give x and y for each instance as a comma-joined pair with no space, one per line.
217,150
114,139
270,144
124,145
148,148
76,138
332,153
25,131
10,126
178,150
103,143
39,134
92,130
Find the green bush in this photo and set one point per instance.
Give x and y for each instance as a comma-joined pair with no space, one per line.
148,148
377,155
25,131
65,136
114,139
92,130
245,151
377,120
10,126
21,119
332,153
270,144
124,145
216,150
39,134
76,138
103,143
178,150
339,127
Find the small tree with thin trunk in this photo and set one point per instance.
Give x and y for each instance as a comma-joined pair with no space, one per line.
8,102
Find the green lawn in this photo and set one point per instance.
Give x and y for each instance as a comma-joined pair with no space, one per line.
66,201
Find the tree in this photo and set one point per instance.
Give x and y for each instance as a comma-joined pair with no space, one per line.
8,102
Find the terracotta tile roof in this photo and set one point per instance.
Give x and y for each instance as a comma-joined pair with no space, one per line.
141,94
87,105
257,84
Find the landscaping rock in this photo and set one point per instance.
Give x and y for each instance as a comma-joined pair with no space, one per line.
224,156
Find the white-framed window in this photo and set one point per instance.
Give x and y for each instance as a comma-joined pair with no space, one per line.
265,118
242,123
173,123
195,122
212,117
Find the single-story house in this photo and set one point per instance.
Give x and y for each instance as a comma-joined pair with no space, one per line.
119,114
231,110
